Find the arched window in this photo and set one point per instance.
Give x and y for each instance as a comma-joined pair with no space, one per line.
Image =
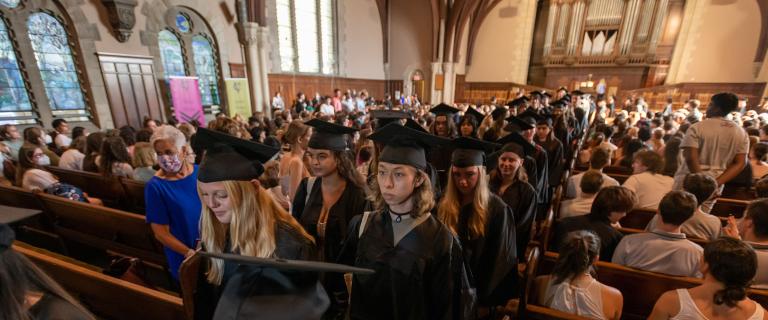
41,74
187,47
13,92
55,62
306,31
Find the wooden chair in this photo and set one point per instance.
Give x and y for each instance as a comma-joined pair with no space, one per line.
103,228
106,297
134,195
96,185
188,277
727,206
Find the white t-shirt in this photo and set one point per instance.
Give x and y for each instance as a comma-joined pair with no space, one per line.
718,141
576,207
574,184
62,141
649,188
72,159
36,179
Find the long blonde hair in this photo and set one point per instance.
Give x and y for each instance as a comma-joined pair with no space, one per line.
423,196
255,218
450,205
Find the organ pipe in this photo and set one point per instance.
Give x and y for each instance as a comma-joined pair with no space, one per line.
564,11
553,8
661,14
645,22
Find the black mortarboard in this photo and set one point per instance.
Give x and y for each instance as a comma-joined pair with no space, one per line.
577,92
385,117
530,113
516,138
545,120
473,112
535,94
329,136
264,288
470,152
525,123
410,123
499,112
546,94
518,102
230,158
404,145
9,215
558,104
567,98
443,109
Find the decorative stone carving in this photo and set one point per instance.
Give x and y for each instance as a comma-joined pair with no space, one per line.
121,17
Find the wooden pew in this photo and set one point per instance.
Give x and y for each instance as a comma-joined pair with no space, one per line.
18,197
95,185
727,206
640,288
134,195
105,296
103,228
637,219
543,313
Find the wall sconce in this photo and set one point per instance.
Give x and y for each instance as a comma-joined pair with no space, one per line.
121,17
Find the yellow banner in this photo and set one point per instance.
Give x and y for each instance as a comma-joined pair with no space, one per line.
238,97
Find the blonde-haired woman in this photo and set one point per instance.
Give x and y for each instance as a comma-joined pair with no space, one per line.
292,167
483,223
238,215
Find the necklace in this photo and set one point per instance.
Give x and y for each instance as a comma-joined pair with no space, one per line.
399,217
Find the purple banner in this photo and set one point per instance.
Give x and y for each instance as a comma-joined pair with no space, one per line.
185,97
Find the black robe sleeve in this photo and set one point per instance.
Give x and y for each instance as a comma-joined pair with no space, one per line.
555,157
297,206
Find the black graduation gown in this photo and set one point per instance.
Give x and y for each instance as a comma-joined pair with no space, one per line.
521,197
422,277
52,307
555,164
492,258
352,202
289,245
440,158
542,174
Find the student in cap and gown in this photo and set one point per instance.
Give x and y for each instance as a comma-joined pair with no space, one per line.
470,122
560,127
525,125
545,137
324,204
239,216
444,127
275,289
420,273
484,224
26,292
496,129
509,180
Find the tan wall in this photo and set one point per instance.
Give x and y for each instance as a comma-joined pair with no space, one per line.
410,37
503,46
360,40
717,42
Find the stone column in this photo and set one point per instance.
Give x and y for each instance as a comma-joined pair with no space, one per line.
435,96
263,51
449,78
251,42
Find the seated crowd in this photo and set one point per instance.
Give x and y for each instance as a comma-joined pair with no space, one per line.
442,202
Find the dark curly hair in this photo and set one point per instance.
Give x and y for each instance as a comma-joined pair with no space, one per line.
734,264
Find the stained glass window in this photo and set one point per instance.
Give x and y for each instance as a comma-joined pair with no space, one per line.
182,23
170,54
306,35
205,66
10,3
13,92
55,61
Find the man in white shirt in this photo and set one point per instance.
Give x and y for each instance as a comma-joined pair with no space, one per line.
665,249
277,102
702,225
599,159
590,185
647,181
62,128
715,146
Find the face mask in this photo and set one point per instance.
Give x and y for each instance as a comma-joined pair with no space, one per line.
43,161
169,164
48,139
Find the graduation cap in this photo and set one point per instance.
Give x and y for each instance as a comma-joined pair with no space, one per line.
566,98
544,120
10,215
546,94
443,110
385,117
517,139
499,112
410,123
577,92
558,104
525,123
264,288
470,152
536,94
328,136
530,113
519,101
230,158
404,145
473,112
